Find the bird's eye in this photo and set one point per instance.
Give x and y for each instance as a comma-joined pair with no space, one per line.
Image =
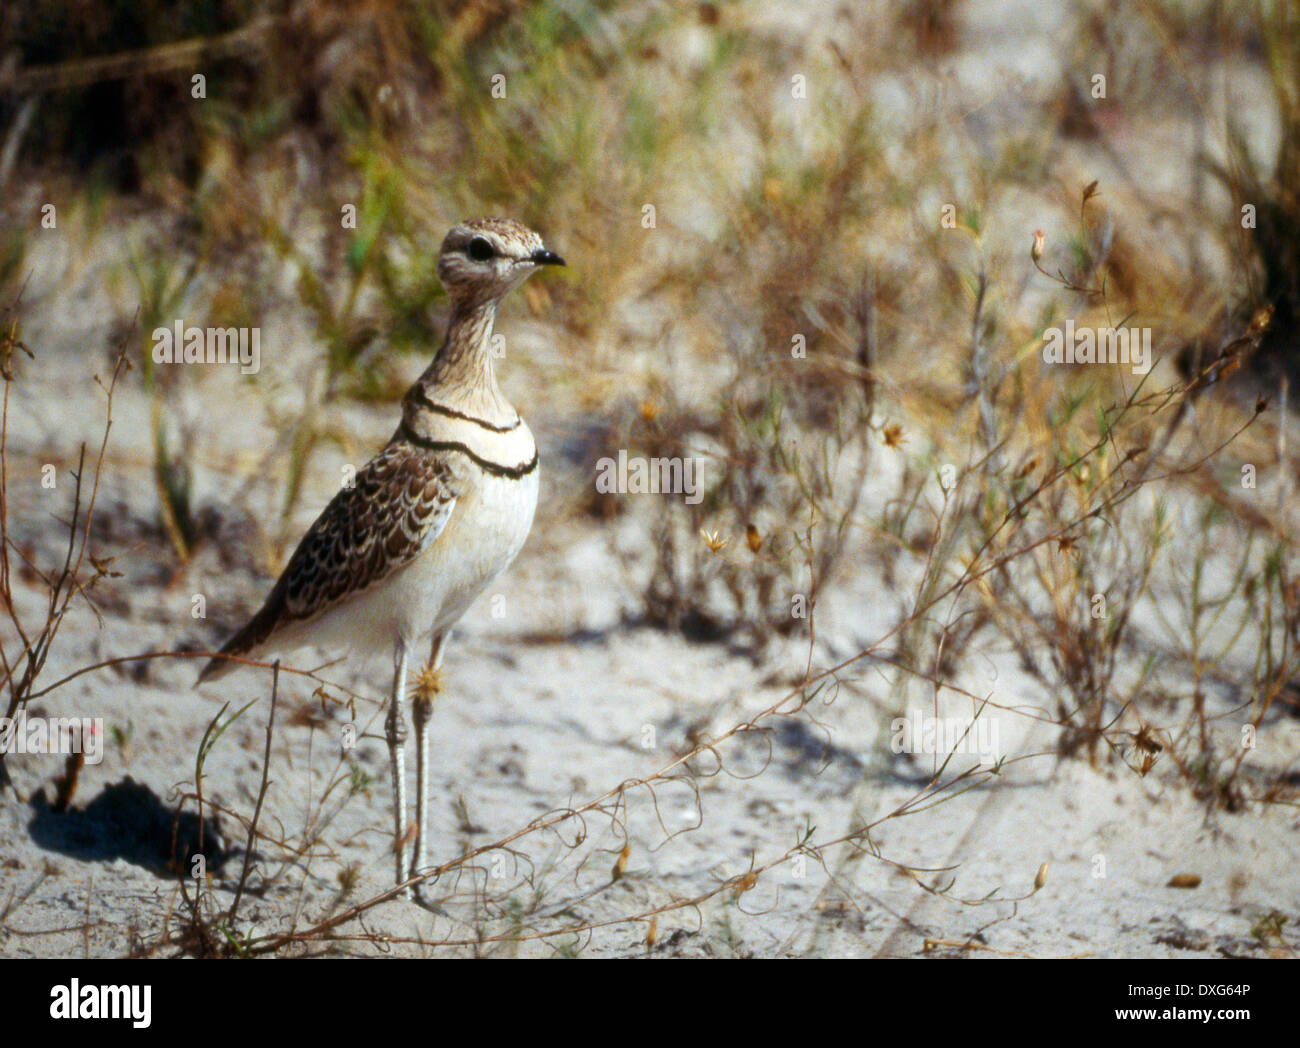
480,250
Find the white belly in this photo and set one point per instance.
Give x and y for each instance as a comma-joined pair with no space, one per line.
486,531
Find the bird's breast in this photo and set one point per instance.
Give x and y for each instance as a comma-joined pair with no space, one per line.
487,529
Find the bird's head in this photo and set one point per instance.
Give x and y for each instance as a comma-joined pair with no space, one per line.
483,259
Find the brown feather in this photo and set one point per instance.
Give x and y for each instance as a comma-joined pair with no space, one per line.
398,504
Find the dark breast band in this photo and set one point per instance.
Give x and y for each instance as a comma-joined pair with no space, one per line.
487,465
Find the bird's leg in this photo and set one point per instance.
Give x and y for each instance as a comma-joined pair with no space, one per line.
396,734
427,688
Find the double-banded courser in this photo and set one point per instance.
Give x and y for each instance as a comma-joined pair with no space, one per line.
400,554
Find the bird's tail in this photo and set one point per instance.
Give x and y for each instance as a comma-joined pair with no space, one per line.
217,667
259,628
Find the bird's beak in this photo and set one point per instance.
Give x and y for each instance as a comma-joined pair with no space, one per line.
545,257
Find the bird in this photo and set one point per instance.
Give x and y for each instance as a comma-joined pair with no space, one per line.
399,554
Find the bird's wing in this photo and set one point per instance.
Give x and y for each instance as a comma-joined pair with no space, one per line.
396,507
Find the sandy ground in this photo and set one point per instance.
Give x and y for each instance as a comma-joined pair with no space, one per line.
554,703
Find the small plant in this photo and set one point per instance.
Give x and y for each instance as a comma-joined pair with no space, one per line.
1266,198
165,287
26,643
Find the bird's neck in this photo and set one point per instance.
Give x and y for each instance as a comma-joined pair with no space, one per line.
461,376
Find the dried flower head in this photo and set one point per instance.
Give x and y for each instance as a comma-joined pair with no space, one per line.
428,684
711,539
1040,239
620,866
